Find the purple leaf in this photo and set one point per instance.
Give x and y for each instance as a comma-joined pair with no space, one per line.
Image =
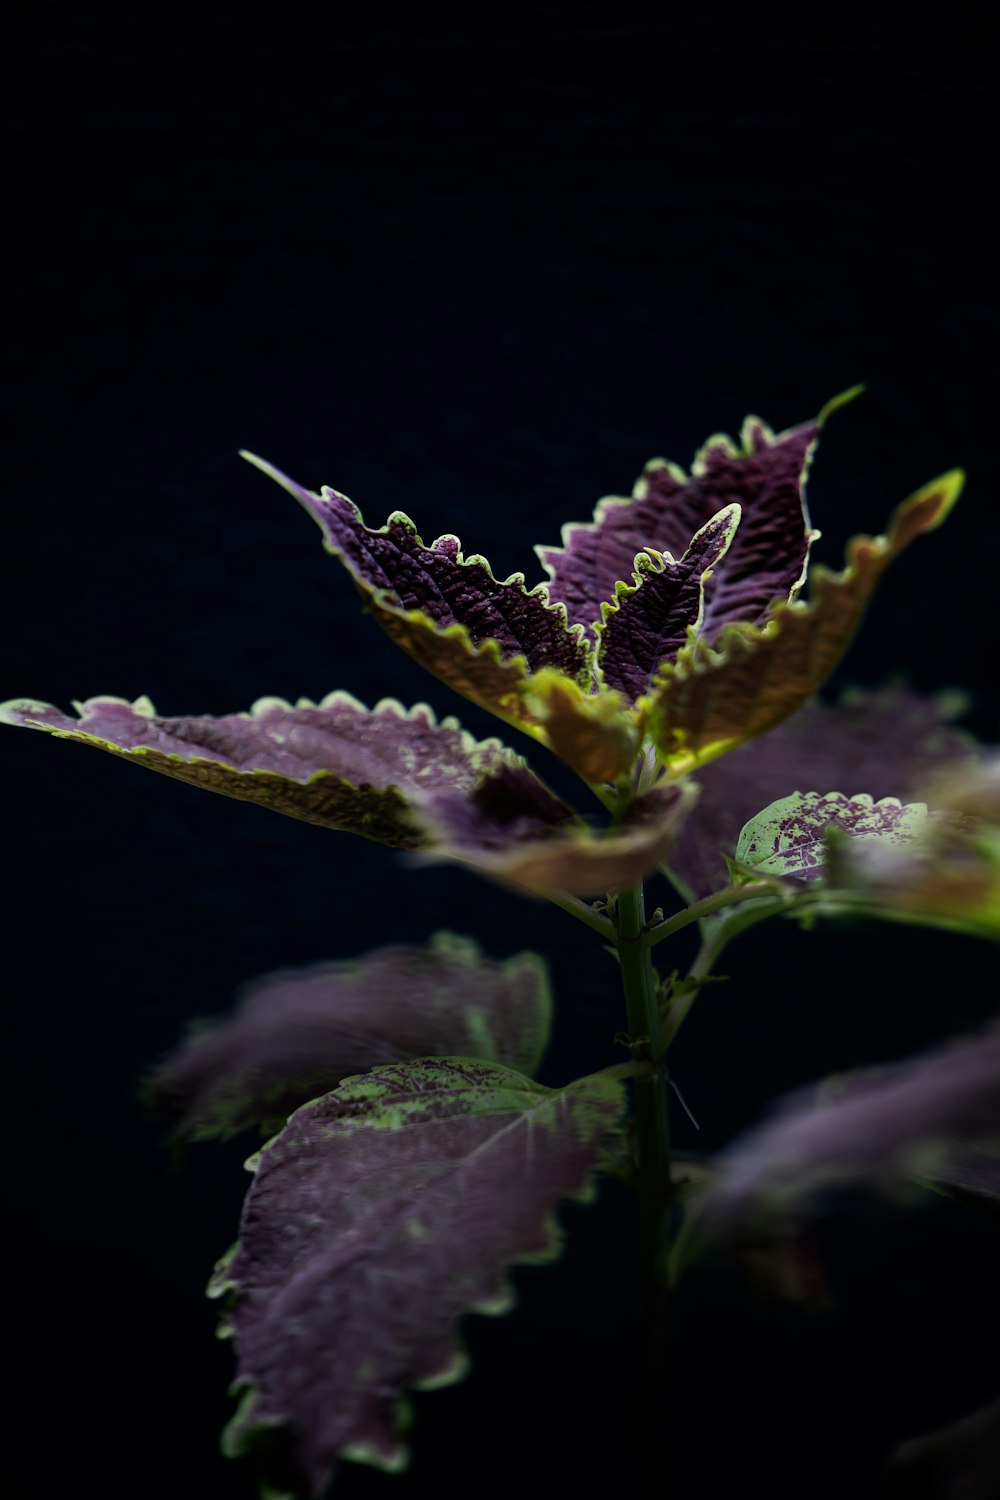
891,1122
394,776
789,838
767,560
299,1032
337,764
484,637
652,619
710,701
572,859
379,1216
890,742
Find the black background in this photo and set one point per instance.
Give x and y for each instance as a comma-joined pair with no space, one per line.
479,269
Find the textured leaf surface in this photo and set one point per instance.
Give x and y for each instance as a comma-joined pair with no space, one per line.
379,1216
338,763
484,637
652,618
789,838
709,701
298,1033
764,475
891,742
898,1121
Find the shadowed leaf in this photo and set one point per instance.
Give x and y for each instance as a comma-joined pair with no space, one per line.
711,700
379,1216
652,618
900,1121
299,1032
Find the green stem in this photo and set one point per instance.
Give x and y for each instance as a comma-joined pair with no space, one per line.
733,895
652,1143
583,913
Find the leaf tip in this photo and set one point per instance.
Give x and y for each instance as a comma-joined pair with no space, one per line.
836,402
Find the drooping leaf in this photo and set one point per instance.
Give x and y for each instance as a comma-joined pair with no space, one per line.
895,1122
653,617
574,859
297,1033
789,838
377,1218
767,560
892,742
710,700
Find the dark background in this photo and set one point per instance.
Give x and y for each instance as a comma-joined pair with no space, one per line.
480,271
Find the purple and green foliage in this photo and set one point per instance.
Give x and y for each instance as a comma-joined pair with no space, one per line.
388,774
789,838
661,661
673,617
296,1034
379,1216
891,742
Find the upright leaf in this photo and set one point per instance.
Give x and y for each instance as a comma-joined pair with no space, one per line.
379,1216
767,560
711,700
651,619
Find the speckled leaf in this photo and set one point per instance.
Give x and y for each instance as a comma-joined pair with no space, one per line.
653,617
890,742
711,700
789,838
949,877
764,475
377,1218
892,1122
485,638
297,1033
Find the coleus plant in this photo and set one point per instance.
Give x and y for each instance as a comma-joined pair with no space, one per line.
670,662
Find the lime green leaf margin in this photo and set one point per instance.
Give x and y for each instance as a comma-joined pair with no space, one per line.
712,699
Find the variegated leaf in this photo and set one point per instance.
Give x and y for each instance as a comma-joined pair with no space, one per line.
891,742
789,838
377,1218
652,618
484,637
711,700
764,474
